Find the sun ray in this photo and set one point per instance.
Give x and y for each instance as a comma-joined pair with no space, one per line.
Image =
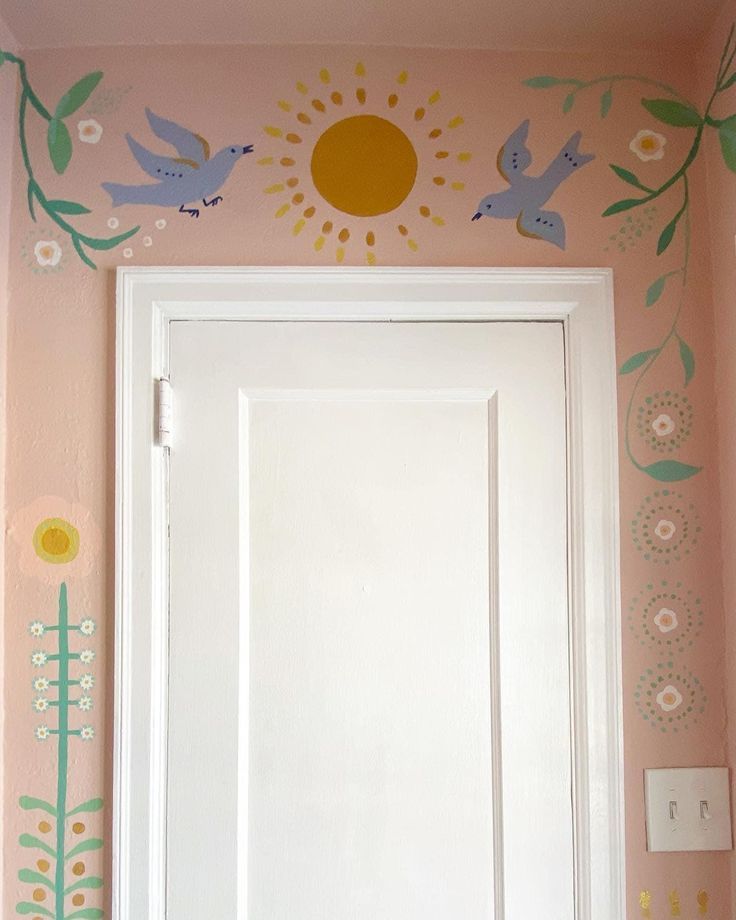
442,154
419,114
318,105
287,161
273,131
293,138
439,180
319,243
413,245
344,235
465,157
360,70
324,75
360,95
274,189
434,98
402,230
393,101
292,182
340,254
457,186
370,258
336,98
301,88
435,133
327,227
283,209
284,105
370,238
266,161
298,198
456,122
403,78
298,226
304,118
310,212
438,221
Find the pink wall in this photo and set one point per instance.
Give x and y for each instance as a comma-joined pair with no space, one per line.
61,355
722,215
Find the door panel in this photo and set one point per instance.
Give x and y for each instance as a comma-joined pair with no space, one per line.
369,681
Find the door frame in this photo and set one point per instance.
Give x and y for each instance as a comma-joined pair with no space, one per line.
149,300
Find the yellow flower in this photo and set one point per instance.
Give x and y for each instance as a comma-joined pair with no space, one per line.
648,145
57,539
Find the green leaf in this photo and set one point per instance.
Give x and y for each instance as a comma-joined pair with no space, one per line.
730,82
688,360
82,254
629,177
25,907
31,191
85,846
568,103
93,881
656,290
546,82
77,95
672,113
35,878
91,805
28,840
28,803
606,102
60,145
625,205
89,913
636,361
668,234
671,470
727,137
2,58
67,207
111,243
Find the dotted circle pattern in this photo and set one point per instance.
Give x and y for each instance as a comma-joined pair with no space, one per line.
668,407
675,597
653,519
653,681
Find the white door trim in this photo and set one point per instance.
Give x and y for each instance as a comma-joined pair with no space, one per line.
148,301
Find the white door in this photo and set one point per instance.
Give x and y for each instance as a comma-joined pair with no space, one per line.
369,694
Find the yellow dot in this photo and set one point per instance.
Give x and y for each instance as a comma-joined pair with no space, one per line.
304,118
56,540
340,254
43,865
336,98
299,226
435,97
464,157
458,186
364,165
370,258
455,122
78,900
272,131
284,106
419,114
370,238
360,95
292,182
439,180
78,827
301,88
78,868
402,77
283,209
39,894
287,161
310,212
344,235
360,69
435,133
424,211
298,198
442,154
265,161
293,139
272,189
327,226
44,827
402,230
319,243
412,244
318,105
393,101
438,221
324,75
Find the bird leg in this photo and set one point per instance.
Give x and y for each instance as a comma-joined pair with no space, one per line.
213,201
192,212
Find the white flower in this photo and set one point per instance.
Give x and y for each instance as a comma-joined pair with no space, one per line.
113,223
147,241
127,253
86,681
665,530
90,131
85,703
666,620
40,684
42,733
663,425
47,252
87,627
36,629
40,704
160,223
87,733
87,656
39,659
669,698
648,145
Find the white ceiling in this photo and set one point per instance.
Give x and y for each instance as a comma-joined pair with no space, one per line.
500,24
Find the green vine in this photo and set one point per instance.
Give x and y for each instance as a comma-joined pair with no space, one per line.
60,152
677,112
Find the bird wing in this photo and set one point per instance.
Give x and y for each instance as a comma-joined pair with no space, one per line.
190,147
157,166
514,157
542,225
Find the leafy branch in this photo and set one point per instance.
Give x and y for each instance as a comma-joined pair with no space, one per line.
59,144
677,112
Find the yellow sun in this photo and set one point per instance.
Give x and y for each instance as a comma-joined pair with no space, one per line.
56,541
367,155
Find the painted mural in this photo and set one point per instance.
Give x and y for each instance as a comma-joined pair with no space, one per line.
58,544
354,162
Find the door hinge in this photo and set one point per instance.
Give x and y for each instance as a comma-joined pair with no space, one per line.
165,411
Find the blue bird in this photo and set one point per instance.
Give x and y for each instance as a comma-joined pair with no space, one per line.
189,177
523,200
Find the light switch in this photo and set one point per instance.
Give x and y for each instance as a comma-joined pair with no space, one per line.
688,809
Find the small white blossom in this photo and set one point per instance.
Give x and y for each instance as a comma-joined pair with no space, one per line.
36,629
40,704
40,684
90,131
87,656
147,241
127,253
666,620
39,659
42,733
663,425
669,698
47,253
665,530
160,223
87,627
86,681
85,703
648,145
113,223
87,733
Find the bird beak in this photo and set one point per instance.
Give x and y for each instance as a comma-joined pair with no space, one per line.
477,215
248,149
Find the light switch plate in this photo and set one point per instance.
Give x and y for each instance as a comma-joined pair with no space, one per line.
688,809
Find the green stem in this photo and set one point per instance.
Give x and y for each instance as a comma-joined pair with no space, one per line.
611,79
63,767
